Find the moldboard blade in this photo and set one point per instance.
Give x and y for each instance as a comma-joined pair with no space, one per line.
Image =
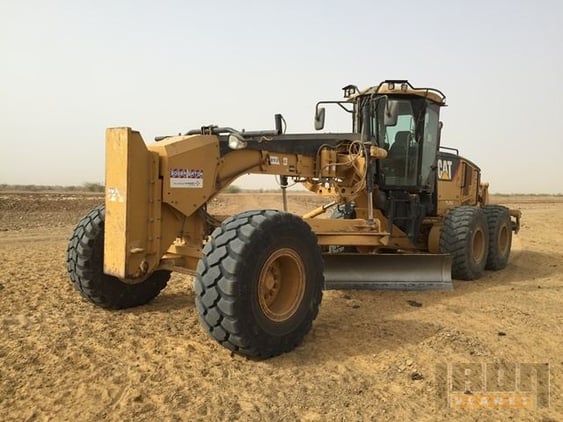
388,271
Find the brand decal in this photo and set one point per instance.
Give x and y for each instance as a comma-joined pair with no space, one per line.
186,178
274,161
445,169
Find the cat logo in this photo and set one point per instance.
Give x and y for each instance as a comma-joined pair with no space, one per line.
445,169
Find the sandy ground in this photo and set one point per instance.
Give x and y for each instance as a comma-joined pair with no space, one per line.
369,356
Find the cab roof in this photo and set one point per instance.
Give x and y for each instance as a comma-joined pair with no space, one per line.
396,87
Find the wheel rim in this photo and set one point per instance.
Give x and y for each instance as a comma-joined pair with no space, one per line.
478,247
503,240
281,285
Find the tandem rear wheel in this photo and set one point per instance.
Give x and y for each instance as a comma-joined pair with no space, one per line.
500,236
465,236
478,238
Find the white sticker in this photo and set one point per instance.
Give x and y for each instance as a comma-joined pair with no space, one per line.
114,195
274,161
186,178
285,161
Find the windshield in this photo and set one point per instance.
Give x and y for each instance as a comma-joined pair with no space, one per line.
400,166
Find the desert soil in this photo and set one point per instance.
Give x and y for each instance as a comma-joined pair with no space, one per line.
369,355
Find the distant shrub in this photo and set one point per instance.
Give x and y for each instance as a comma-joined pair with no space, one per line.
232,189
93,187
85,187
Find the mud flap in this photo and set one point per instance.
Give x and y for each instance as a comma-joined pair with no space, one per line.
388,271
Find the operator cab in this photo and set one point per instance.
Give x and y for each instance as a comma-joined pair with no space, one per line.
404,121
411,138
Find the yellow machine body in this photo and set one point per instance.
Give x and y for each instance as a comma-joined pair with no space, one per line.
406,212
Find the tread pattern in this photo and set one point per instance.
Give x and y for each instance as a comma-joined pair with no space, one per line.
85,269
227,275
497,216
456,237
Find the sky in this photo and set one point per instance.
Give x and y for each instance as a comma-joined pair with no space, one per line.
70,69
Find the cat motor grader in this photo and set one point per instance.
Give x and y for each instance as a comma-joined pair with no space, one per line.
407,214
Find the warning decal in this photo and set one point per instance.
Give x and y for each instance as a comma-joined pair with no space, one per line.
186,178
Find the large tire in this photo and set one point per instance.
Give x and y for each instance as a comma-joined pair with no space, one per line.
465,236
259,283
85,256
500,236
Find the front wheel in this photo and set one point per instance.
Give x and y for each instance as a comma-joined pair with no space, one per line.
85,265
259,283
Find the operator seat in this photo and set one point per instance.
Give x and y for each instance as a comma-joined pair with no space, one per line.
401,145
397,158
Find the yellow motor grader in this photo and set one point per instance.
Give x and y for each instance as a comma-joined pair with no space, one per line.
406,214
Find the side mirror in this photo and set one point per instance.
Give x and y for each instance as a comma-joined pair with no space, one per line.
320,118
391,113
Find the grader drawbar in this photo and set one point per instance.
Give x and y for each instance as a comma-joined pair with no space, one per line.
404,215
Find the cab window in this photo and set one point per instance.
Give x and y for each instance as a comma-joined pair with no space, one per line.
430,145
400,166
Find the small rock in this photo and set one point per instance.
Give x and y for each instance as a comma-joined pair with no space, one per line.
409,362
347,297
501,333
355,306
417,376
414,303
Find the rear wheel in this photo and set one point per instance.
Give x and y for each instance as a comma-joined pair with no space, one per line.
259,283
500,236
465,237
85,265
